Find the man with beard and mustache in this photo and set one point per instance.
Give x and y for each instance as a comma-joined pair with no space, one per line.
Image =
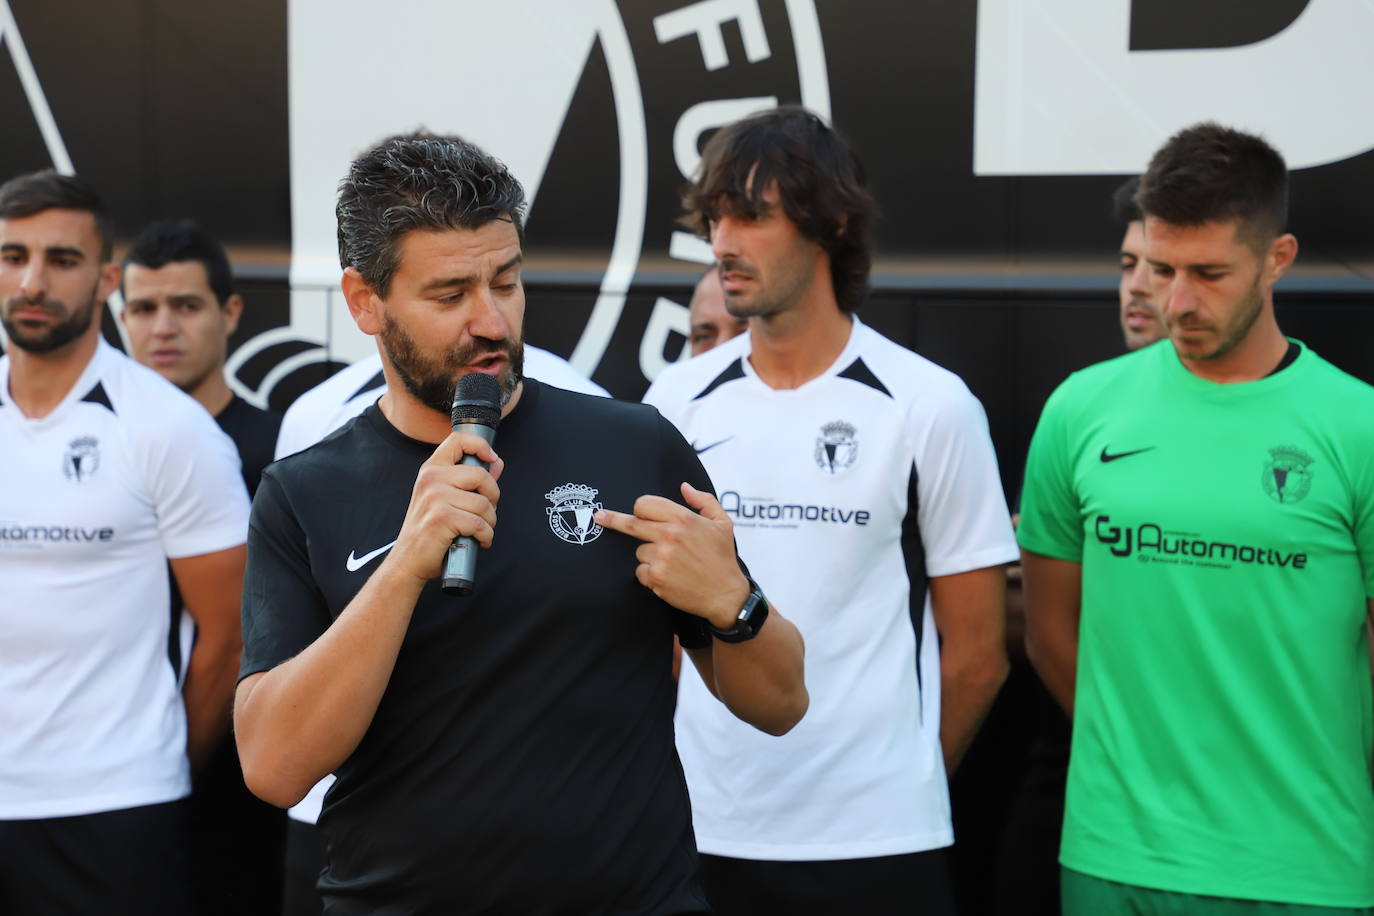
1197,530
110,473
510,750
310,418
837,448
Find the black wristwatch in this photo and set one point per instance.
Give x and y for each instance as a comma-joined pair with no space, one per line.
749,619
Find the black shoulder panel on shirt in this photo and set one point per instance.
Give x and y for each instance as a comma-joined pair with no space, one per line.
377,381
858,371
97,395
733,371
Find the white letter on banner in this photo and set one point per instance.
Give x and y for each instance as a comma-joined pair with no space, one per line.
667,316
704,19
1058,92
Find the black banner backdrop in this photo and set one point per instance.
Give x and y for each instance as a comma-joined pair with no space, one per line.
177,109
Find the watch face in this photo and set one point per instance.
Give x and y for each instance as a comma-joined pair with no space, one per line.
751,616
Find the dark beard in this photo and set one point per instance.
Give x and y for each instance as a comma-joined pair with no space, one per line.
431,381
75,323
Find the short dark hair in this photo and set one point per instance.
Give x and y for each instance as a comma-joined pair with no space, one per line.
820,181
1210,173
48,189
1124,208
177,240
418,181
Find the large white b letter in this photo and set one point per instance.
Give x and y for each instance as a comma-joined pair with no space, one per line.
1059,92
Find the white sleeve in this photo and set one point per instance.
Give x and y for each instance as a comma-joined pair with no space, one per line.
196,483
300,428
965,524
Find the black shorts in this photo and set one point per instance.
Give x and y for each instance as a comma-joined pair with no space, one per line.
304,862
914,884
130,862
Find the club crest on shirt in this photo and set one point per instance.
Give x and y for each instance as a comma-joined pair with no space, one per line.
1287,476
836,447
82,458
570,516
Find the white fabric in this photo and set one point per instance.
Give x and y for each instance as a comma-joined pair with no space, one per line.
333,402
862,774
92,503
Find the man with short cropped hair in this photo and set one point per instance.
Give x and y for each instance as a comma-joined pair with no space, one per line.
1197,528
107,473
510,749
862,481
1141,323
180,309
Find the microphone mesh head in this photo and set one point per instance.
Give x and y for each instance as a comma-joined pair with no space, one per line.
477,399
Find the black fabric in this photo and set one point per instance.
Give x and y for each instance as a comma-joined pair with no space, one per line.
901,885
858,371
522,757
304,862
238,842
914,555
1290,356
254,432
733,371
376,383
97,395
130,862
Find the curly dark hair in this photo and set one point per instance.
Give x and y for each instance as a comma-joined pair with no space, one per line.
418,181
820,182
1210,173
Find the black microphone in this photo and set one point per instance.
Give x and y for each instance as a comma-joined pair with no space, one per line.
476,410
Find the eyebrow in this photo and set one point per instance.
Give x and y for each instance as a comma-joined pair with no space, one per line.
460,282
67,250
1217,266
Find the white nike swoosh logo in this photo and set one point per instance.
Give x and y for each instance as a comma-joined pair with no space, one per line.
356,563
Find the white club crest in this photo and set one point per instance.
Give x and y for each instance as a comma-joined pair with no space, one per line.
570,516
836,447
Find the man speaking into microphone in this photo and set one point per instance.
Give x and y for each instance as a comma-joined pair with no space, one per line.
511,750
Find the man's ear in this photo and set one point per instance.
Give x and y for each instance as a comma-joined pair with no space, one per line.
233,311
1283,251
363,304
110,274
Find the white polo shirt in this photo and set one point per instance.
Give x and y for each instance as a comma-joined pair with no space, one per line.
94,498
847,494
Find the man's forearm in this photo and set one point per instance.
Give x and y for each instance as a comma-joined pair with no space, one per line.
297,722
968,687
762,680
208,693
1055,659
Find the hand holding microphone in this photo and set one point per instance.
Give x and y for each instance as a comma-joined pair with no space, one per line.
455,494
476,411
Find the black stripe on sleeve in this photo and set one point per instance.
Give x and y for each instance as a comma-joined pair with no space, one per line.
733,371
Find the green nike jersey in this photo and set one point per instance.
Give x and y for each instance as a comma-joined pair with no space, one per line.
1222,727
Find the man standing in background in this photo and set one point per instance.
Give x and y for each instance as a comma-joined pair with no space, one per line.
180,309
710,325
837,452
107,474
1197,529
1027,877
